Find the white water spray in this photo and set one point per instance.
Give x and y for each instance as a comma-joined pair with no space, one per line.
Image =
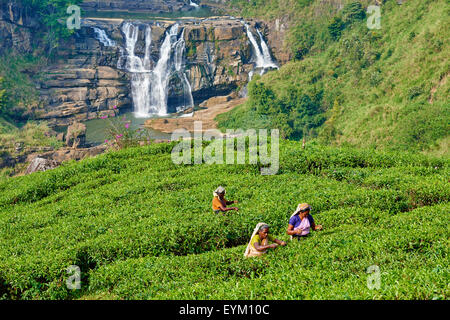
268,62
103,37
149,87
179,67
263,60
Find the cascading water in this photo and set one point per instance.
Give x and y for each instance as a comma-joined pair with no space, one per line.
148,42
268,63
263,60
150,78
103,37
149,87
161,73
133,62
179,67
139,69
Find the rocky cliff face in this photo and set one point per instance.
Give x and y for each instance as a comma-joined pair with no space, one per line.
218,57
16,29
276,32
86,82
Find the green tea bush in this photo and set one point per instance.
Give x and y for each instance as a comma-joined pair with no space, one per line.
345,251
133,219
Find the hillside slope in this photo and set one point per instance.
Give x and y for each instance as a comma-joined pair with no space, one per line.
141,227
381,88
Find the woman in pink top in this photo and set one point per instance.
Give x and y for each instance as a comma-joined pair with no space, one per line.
301,222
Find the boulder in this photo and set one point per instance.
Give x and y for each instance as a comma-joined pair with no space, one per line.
41,164
66,154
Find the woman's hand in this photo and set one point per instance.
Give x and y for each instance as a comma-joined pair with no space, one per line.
235,201
318,227
299,231
274,245
283,243
235,208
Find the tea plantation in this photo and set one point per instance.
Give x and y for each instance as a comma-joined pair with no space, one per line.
141,227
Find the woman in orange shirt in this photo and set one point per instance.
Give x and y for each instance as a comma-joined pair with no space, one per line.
219,203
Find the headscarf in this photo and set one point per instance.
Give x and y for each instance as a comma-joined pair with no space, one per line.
301,207
259,225
218,191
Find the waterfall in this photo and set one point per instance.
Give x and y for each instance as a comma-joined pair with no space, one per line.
133,63
139,69
158,99
148,42
259,56
150,87
268,63
179,68
263,58
103,37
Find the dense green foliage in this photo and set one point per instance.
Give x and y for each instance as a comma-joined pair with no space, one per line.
140,226
18,101
380,88
52,15
19,93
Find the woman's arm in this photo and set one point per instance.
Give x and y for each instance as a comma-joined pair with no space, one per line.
231,202
262,248
315,228
290,230
222,208
281,243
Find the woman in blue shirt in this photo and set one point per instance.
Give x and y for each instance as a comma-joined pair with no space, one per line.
301,222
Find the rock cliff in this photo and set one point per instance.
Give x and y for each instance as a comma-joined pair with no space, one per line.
16,29
85,82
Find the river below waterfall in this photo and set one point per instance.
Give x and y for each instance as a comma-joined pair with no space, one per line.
96,129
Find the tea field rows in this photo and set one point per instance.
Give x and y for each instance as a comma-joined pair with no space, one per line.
141,227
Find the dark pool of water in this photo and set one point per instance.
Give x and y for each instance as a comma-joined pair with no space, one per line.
97,129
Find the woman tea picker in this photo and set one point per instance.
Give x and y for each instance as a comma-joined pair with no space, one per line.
219,203
259,241
301,222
